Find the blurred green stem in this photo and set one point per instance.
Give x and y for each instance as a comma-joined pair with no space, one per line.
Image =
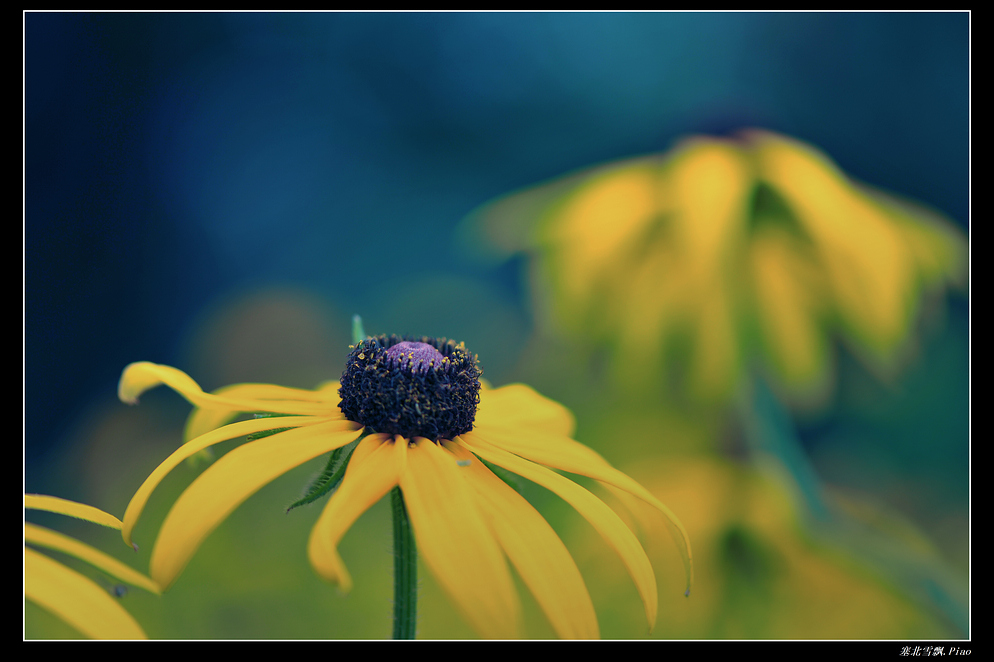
405,571
772,440
769,432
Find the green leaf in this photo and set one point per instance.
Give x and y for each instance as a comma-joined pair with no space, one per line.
330,478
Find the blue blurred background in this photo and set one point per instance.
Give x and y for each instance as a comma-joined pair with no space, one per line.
221,192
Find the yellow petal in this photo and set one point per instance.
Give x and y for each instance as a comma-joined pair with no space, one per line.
938,246
227,483
869,267
194,446
204,420
201,420
651,311
545,448
518,405
572,456
373,470
142,376
39,535
512,223
71,508
602,217
76,599
595,511
329,389
716,361
786,311
708,183
455,542
536,551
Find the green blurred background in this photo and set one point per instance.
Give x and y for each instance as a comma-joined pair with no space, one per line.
221,192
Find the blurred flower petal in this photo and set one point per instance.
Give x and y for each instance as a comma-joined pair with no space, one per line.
687,265
76,599
43,537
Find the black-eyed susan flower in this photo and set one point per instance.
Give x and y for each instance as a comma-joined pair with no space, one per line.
426,425
723,250
71,596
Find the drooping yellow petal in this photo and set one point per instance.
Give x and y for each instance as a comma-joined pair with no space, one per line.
373,470
545,448
142,376
939,247
533,547
38,535
595,511
456,544
203,420
227,483
71,508
566,454
652,309
572,456
869,267
521,406
603,215
193,446
76,599
708,183
786,308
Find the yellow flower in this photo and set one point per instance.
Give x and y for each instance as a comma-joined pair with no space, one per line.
66,593
431,428
723,249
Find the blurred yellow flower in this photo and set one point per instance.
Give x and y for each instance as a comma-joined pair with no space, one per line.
76,599
428,426
762,573
725,248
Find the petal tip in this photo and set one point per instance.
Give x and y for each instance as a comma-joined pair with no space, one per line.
134,381
340,579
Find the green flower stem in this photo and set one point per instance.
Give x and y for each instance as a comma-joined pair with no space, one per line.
405,552
770,433
405,571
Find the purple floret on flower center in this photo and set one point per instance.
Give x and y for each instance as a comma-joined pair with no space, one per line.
424,387
418,356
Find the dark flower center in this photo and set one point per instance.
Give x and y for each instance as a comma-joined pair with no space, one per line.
415,388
